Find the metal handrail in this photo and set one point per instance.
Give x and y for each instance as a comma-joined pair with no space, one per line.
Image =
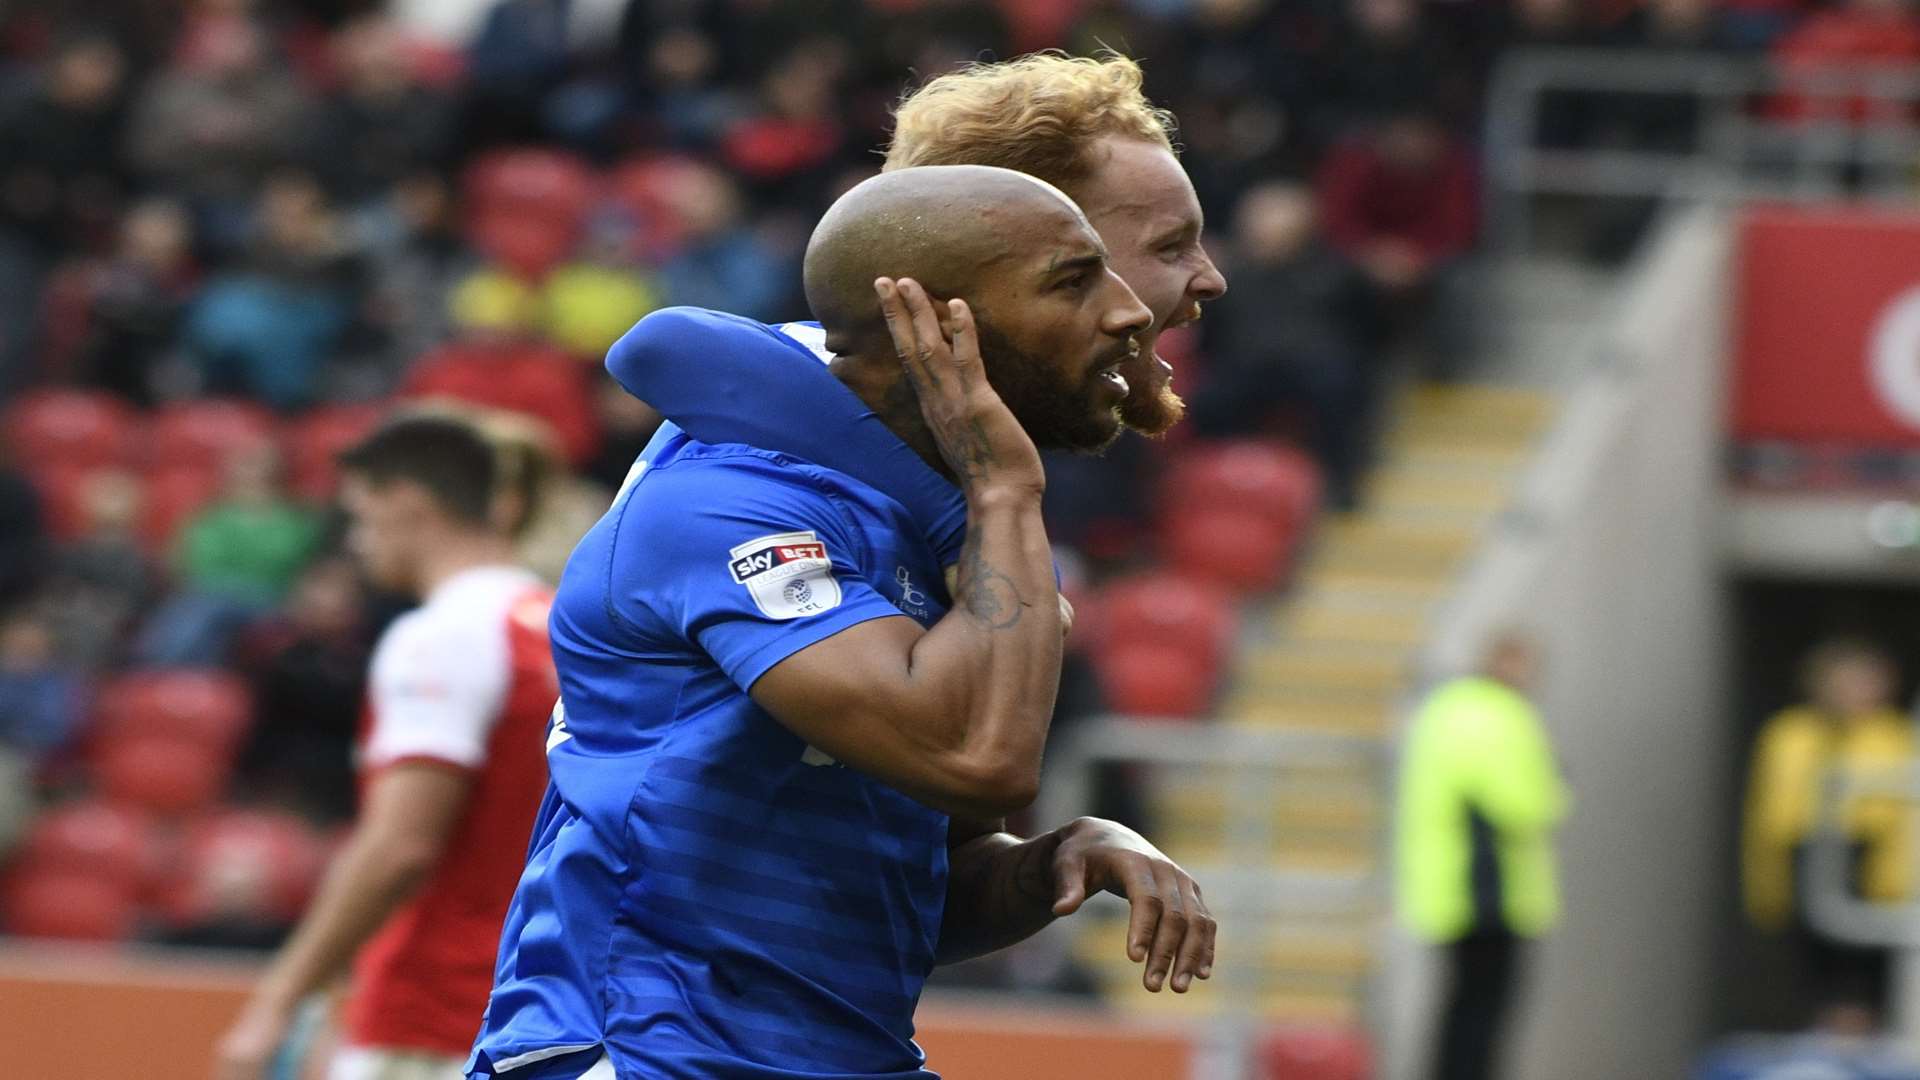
1832,907
1803,153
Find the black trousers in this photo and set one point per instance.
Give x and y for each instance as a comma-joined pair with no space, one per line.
1482,970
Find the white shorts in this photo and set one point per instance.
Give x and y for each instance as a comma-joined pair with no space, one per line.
377,1063
599,1070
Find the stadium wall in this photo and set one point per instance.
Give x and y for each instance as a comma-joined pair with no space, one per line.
1611,554
92,1012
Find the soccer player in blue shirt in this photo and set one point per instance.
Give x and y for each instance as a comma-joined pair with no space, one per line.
771,704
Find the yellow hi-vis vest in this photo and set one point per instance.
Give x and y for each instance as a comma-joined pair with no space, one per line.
1795,750
1477,745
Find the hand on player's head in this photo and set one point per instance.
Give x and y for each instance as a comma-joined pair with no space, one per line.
1054,322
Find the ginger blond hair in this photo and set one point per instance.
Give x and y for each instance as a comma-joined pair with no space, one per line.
1039,114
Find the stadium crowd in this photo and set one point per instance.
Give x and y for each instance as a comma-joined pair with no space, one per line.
232,232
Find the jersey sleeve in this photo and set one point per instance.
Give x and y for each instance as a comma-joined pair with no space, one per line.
435,689
725,379
747,561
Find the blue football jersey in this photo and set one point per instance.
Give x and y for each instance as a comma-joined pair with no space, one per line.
705,895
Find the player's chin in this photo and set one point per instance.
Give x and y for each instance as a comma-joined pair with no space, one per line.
1154,413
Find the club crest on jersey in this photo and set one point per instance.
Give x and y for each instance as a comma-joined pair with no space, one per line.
789,575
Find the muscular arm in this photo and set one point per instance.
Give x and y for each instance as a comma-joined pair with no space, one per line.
1002,890
410,811
956,715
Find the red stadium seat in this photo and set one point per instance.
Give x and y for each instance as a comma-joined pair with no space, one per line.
211,708
529,247
173,496
1254,476
71,428
1309,1054
162,773
643,188
254,864
1143,678
61,904
203,434
536,380
94,838
315,442
1169,610
1241,550
532,181
527,207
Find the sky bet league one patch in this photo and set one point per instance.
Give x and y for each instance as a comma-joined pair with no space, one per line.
788,575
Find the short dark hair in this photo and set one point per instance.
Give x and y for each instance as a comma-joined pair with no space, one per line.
448,457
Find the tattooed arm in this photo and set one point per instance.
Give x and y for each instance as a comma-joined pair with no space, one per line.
955,715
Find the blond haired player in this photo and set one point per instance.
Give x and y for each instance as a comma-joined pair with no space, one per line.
1083,125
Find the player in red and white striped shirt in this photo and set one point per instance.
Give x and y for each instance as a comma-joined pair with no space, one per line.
452,768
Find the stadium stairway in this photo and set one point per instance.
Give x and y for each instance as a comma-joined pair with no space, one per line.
1334,653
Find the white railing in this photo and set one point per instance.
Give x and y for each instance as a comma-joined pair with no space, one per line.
1246,890
1854,131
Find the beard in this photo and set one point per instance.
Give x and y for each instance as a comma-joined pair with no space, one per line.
1151,408
1058,414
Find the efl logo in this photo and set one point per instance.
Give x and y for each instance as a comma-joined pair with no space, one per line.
788,575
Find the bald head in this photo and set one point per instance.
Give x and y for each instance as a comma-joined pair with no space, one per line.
945,226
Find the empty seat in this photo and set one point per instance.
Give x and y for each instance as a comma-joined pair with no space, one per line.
1165,608
530,247
533,380
164,774
315,442
1314,1054
1241,550
213,708
71,428
257,865
526,207
92,837
536,182
62,904
204,434
1254,476
1155,679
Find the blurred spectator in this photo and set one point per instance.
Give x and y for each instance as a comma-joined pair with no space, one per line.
213,125
675,71
1384,54
22,534
590,302
1848,724
308,669
237,558
40,708
1400,201
1844,43
723,264
415,255
1480,797
60,180
381,124
102,577
266,328
1681,26
136,300
791,146
1293,331
626,424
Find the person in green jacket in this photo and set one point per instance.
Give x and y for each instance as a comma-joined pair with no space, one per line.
1480,797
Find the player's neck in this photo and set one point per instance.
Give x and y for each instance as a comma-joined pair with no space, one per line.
455,554
883,386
